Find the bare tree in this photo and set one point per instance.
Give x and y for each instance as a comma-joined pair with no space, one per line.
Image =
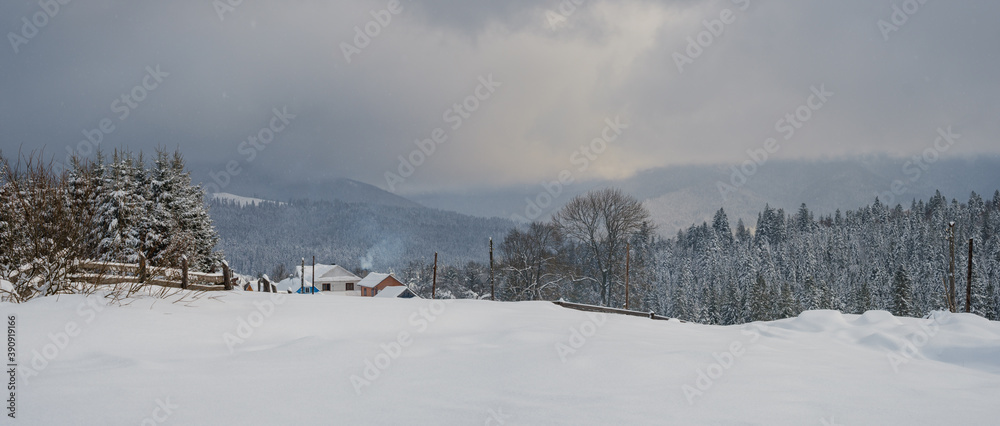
42,229
526,259
603,221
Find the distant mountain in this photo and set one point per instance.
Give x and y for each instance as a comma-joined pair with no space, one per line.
683,195
352,191
258,237
284,185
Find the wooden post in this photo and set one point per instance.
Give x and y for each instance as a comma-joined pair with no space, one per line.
142,268
628,251
184,271
303,276
951,268
968,282
493,289
314,271
434,280
227,275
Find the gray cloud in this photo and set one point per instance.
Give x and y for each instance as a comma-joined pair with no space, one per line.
558,85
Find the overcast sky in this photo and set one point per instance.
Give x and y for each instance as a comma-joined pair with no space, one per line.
558,77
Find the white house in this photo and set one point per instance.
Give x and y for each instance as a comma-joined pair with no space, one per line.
332,278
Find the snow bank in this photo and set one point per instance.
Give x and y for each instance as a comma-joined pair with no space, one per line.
255,358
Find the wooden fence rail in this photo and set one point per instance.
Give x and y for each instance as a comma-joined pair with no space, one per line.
592,308
111,273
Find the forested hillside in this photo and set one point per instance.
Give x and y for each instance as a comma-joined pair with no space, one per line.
258,238
878,257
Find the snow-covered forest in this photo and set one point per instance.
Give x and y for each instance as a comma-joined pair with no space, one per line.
110,209
259,238
878,257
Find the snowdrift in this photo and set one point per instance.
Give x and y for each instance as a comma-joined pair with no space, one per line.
255,358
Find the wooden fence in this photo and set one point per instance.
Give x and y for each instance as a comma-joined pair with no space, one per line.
592,308
111,273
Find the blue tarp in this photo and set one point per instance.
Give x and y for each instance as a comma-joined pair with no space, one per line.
308,290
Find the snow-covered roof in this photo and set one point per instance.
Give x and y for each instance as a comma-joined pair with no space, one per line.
372,279
290,283
328,273
337,273
393,291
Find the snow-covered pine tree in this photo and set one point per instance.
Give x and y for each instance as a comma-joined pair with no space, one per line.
759,305
182,212
902,294
117,211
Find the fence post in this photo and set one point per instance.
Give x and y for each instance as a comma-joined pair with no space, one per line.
142,268
184,271
227,274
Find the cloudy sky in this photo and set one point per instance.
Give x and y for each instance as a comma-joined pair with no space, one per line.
694,82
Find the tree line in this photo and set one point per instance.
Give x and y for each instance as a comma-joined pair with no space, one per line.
110,209
875,257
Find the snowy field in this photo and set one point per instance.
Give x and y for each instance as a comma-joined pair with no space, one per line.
247,358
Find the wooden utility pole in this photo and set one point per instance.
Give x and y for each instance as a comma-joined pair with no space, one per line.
951,268
434,280
303,276
968,282
314,271
628,251
493,289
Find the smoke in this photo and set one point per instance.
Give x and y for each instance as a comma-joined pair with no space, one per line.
387,252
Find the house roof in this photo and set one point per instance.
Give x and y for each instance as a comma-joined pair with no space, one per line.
291,283
327,273
337,273
372,279
394,291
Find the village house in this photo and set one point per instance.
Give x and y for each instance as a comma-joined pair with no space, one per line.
335,278
375,282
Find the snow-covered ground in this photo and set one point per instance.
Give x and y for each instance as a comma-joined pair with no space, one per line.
254,358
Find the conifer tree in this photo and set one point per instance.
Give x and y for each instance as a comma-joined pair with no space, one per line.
902,294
